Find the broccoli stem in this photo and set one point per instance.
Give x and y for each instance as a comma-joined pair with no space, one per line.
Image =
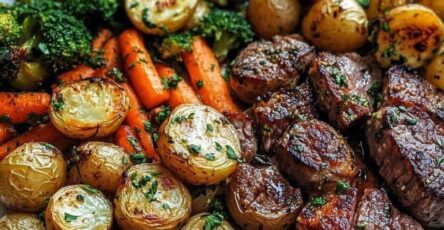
224,43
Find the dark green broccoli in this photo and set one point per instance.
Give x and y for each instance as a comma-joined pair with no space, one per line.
175,44
226,29
88,9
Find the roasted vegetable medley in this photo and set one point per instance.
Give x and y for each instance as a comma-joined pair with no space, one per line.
222,114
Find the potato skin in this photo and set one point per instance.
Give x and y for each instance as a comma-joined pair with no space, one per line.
168,207
88,108
198,222
31,174
89,208
410,35
435,5
21,221
377,8
274,17
195,143
98,164
337,26
434,72
159,17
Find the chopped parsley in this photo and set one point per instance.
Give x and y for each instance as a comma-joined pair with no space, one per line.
219,147
210,156
151,193
69,217
210,128
138,158
148,127
439,161
194,149
146,19
90,189
385,27
116,74
162,114
411,121
317,201
58,103
364,3
339,78
342,186
166,207
200,84
213,221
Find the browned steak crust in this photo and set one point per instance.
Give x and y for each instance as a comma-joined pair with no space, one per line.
246,131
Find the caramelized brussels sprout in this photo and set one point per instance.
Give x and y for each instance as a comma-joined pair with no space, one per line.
21,221
338,26
79,207
199,144
159,17
30,175
92,107
207,221
98,164
151,198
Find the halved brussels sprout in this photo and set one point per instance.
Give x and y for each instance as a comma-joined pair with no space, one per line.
199,145
98,164
30,175
92,107
151,198
80,207
21,221
207,221
159,17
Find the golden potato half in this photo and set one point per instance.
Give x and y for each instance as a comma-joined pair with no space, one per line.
409,35
207,221
21,221
377,8
337,26
435,5
80,207
159,17
151,198
434,72
87,108
98,164
30,175
199,145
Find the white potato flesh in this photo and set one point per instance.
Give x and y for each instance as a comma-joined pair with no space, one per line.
159,17
88,108
151,198
21,221
409,35
199,221
199,145
79,207
30,175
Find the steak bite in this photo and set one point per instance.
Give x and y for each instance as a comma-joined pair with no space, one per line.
276,111
342,86
408,147
245,129
314,155
266,66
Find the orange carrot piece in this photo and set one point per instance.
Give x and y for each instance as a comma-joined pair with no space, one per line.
102,37
111,54
141,70
126,138
139,122
182,93
206,78
78,73
16,107
42,133
6,132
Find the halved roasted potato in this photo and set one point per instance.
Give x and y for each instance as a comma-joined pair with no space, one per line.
435,5
377,8
199,144
150,197
80,207
30,175
338,26
159,17
409,35
201,10
98,164
213,221
87,108
21,221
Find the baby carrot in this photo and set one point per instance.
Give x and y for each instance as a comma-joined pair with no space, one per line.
17,107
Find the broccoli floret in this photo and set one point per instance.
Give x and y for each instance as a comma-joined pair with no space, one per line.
227,30
87,9
10,29
174,44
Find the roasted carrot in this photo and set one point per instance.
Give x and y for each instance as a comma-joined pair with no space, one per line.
43,133
7,131
206,78
111,54
17,107
141,70
182,93
99,41
78,73
126,138
139,122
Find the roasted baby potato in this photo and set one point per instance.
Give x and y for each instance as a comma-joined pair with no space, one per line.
92,107
30,175
199,145
21,221
409,35
151,198
201,10
377,8
159,17
437,6
338,26
98,164
274,17
79,207
204,220
204,196
434,72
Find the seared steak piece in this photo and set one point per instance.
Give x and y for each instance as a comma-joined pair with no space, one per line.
261,198
314,155
266,66
407,144
246,131
276,111
408,88
343,87
375,211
